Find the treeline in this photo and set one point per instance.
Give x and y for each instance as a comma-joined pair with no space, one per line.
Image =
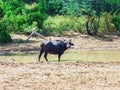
52,17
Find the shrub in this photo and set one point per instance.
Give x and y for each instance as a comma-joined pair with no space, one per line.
105,24
101,25
21,41
116,22
20,15
61,24
4,34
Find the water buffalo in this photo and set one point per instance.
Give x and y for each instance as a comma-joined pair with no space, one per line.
54,47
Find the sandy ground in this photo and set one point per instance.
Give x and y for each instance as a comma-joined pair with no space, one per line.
65,75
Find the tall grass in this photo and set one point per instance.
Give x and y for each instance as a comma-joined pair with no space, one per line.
61,24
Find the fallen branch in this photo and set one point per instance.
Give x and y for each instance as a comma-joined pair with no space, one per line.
36,33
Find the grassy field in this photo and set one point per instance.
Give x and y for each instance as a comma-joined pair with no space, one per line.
71,56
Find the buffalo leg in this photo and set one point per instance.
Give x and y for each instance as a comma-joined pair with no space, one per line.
45,56
59,55
41,52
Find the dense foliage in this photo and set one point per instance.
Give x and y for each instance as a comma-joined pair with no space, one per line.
58,16
4,34
116,21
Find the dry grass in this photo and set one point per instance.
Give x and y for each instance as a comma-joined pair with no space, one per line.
65,76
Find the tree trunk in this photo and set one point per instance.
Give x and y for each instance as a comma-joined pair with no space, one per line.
88,29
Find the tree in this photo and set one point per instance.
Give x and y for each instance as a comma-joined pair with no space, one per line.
113,6
70,7
20,15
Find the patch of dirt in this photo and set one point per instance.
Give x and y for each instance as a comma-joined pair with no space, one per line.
82,42
65,76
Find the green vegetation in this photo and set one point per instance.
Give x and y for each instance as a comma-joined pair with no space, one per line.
83,56
21,41
4,34
60,24
116,21
92,17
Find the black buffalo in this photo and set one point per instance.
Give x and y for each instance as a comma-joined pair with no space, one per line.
54,47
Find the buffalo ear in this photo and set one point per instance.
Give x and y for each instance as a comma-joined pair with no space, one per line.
70,40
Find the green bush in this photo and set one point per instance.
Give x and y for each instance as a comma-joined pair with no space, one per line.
105,24
20,16
116,22
4,34
62,24
5,37
21,41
